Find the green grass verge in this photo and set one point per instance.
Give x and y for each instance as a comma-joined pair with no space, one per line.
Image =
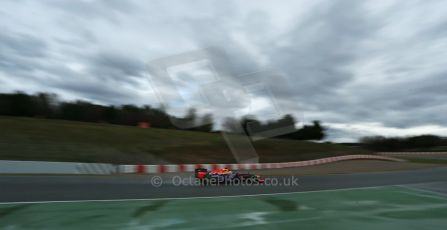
56,140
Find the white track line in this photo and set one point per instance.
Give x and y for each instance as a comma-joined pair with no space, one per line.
203,197
422,190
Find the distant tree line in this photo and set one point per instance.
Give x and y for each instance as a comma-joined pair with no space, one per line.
44,105
379,143
282,128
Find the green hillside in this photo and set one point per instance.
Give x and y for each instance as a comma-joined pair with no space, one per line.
55,140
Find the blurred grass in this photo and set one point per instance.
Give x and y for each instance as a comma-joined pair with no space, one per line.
56,140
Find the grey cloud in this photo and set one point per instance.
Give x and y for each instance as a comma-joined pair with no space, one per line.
343,62
16,44
116,65
20,53
109,10
98,91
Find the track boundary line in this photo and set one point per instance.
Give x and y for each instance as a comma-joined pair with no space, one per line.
201,197
433,193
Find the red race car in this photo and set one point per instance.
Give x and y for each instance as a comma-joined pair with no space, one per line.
226,176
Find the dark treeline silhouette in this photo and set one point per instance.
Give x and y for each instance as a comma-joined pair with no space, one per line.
281,128
44,105
194,122
379,143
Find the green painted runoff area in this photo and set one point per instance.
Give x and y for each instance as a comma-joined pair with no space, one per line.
392,207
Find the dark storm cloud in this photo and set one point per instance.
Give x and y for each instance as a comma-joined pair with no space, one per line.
19,52
324,46
319,47
108,78
16,44
356,65
116,65
97,91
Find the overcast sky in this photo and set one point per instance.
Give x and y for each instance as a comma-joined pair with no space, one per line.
361,67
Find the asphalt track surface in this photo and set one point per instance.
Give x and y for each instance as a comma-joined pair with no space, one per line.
68,188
